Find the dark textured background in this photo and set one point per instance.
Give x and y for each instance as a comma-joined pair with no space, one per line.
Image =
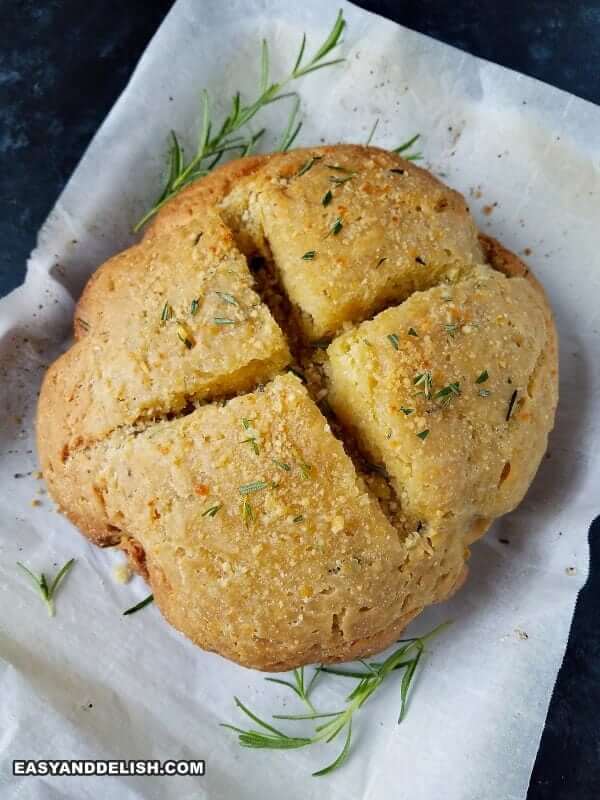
62,66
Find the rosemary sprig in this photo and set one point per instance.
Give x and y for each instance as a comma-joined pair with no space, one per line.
298,687
230,136
138,606
369,679
47,590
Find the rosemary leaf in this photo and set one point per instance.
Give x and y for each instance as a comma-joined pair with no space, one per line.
212,511
138,606
254,486
228,298
394,340
511,405
309,164
45,591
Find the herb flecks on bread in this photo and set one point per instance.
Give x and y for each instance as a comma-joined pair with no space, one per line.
299,399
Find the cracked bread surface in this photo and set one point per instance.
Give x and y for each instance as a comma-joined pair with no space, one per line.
159,414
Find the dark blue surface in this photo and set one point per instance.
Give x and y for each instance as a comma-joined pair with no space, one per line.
62,65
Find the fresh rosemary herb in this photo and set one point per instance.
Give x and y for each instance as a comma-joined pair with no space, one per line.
380,261
167,312
253,443
185,336
336,227
372,133
339,181
388,433
223,321
83,323
298,687
309,255
194,306
401,149
412,332
282,465
245,423
406,658
309,164
228,298
47,590
407,411
339,168
451,328
511,404
484,393
138,606
327,198
292,129
229,136
394,340
423,434
299,518
198,237
483,377
446,394
210,512
306,470
254,486
424,379
247,512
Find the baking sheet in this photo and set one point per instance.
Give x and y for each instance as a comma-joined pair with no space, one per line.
91,683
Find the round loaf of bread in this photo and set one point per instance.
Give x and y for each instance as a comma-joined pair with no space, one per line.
298,399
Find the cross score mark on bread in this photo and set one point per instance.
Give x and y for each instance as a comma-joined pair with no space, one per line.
282,518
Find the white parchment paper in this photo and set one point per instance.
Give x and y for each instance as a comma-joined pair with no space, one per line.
91,683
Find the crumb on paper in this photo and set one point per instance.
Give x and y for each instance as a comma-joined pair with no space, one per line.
504,541
571,570
35,502
487,209
522,635
527,251
122,573
39,475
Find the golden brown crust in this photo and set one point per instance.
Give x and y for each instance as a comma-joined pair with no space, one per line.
174,398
